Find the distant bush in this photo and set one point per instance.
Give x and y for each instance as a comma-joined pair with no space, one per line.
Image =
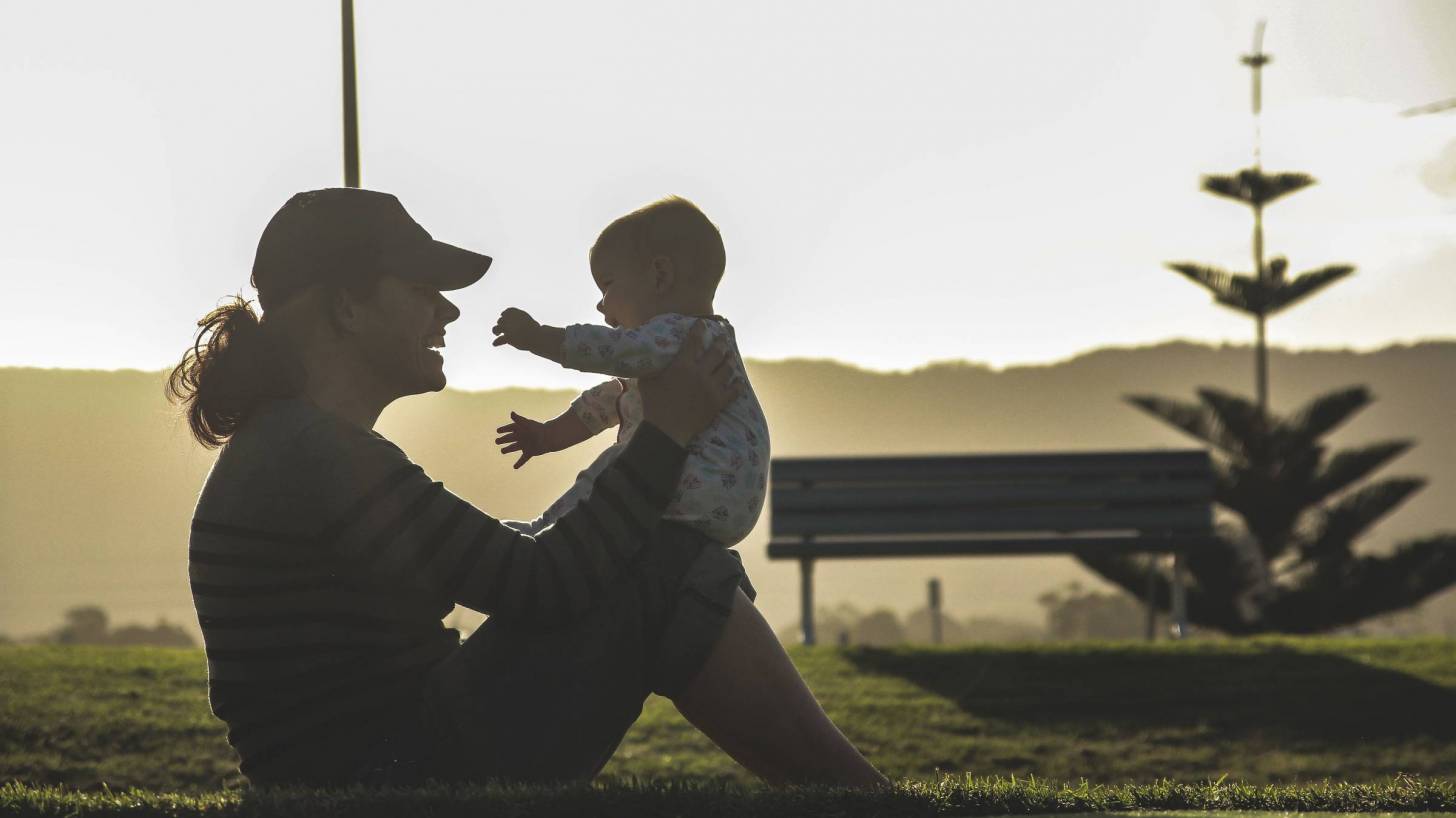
1075,613
89,625
845,624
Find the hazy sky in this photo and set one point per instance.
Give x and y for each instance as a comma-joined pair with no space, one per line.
896,182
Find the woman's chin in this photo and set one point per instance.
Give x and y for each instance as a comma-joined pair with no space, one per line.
430,374
436,377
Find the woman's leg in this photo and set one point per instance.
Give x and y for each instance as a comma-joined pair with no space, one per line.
520,702
751,701
525,703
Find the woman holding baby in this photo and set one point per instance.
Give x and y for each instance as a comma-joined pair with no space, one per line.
323,560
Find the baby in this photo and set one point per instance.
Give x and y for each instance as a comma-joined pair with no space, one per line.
658,269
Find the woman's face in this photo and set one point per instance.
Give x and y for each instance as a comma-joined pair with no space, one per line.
400,331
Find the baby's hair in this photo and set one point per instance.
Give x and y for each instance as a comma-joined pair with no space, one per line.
672,227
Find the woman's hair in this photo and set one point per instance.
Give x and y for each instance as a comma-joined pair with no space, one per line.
235,365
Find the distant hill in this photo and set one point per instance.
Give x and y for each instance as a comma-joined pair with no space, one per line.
99,477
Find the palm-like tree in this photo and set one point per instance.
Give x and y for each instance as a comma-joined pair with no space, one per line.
1291,567
1269,290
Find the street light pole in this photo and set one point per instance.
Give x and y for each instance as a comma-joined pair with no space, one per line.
351,104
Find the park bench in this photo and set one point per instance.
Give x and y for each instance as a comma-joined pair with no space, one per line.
1157,501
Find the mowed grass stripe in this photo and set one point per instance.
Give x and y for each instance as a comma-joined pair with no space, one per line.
1261,711
949,796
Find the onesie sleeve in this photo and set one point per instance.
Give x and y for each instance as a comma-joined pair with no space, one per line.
629,353
597,407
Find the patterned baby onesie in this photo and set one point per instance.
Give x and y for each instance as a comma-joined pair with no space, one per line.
722,486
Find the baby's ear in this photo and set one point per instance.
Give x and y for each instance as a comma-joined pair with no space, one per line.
664,274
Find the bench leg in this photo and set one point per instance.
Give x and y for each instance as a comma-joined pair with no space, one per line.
806,599
1180,599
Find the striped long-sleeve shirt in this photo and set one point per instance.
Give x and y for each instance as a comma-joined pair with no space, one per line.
322,561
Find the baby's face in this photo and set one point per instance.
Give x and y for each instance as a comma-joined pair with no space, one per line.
629,298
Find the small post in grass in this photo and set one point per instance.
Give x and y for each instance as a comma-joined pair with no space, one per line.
934,605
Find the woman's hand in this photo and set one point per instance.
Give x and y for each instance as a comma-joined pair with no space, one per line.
683,399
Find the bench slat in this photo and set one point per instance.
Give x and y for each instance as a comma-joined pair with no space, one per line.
963,467
779,550
792,497
915,521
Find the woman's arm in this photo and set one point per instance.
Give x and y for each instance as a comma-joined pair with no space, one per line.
394,524
391,522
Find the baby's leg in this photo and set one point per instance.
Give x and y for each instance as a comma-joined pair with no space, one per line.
547,518
752,702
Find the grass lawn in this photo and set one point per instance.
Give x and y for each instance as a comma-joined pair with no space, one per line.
711,800
1275,711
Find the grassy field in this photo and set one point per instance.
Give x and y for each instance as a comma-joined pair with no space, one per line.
1259,712
947,797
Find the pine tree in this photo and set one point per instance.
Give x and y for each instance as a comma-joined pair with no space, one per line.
1291,565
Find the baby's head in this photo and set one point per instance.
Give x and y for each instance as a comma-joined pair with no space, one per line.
665,257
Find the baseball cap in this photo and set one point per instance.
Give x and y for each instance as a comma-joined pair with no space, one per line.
342,234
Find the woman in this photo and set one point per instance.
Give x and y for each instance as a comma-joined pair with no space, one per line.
322,560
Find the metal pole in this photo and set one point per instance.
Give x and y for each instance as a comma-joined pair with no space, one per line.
935,628
806,597
351,105
1180,598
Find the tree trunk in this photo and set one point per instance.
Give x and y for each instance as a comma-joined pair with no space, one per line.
1261,367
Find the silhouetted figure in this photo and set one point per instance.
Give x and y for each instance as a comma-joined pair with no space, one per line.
323,560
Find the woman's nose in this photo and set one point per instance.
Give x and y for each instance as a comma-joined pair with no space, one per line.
448,310
601,308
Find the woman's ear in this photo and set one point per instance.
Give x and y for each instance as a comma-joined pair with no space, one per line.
664,274
343,311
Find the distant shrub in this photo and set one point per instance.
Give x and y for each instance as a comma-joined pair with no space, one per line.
1075,613
847,625
89,625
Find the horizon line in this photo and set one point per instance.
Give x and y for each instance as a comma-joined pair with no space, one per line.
929,364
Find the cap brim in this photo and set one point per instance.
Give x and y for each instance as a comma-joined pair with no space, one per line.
443,266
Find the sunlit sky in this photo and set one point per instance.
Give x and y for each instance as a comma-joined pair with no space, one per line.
896,182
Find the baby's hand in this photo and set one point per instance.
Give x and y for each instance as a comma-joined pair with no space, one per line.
523,435
517,328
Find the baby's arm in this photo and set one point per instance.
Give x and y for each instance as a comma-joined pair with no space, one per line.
625,353
520,330
593,411
628,353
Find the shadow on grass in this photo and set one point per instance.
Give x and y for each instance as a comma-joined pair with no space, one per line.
1275,690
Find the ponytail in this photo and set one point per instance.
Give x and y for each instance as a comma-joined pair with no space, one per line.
234,366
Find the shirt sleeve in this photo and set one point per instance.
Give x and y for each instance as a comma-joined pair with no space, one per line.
390,521
628,353
597,407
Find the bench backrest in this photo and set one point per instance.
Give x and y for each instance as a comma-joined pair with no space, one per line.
1163,492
